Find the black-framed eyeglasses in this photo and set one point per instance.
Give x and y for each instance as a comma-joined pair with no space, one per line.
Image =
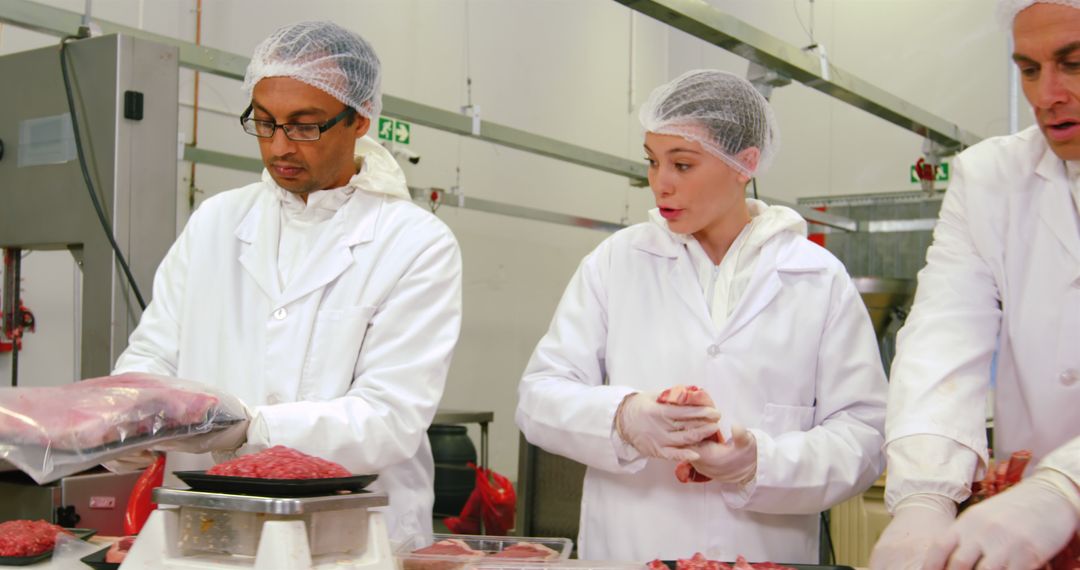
295,131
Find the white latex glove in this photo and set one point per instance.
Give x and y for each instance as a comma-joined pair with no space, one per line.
224,440
919,519
663,430
734,461
135,461
1019,529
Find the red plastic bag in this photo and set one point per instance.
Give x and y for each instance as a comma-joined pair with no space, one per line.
493,501
140,503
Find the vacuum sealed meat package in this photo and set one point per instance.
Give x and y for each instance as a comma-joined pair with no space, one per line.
52,432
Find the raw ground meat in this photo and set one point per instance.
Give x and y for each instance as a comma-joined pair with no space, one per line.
526,550
280,462
699,562
98,411
118,551
689,396
28,538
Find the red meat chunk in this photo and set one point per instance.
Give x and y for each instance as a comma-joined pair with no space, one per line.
689,396
280,462
28,538
118,551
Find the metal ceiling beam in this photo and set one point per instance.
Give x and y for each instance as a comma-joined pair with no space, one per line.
702,21
58,22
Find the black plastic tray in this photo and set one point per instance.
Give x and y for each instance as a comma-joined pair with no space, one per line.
671,564
200,481
97,560
80,533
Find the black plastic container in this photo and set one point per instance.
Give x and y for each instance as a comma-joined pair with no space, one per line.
454,479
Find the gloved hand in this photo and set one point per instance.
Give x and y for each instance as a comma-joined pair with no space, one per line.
226,438
919,519
1019,529
134,461
663,430
734,461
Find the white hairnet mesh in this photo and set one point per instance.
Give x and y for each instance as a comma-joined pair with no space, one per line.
1008,9
323,55
721,111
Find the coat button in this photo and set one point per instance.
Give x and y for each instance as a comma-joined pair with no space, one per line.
1069,377
281,313
713,350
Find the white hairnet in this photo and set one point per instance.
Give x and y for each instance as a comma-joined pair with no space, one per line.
721,111
1008,9
323,55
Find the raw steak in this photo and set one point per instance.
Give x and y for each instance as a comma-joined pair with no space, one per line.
118,551
98,411
449,554
689,396
280,462
28,538
526,550
449,547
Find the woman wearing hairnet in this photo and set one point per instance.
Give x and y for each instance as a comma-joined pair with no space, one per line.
727,294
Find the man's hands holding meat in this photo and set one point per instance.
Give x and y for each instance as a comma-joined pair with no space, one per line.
663,430
1020,528
731,461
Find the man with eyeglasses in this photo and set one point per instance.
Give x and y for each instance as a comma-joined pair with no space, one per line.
321,296
1002,274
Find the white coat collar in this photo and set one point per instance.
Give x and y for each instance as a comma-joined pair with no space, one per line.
1055,195
662,242
355,223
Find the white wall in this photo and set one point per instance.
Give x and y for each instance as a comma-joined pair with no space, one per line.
575,70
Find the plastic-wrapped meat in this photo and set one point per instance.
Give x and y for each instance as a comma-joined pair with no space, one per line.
689,396
99,411
526,550
280,462
28,538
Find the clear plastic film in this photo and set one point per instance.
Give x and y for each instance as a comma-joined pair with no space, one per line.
52,432
323,55
721,111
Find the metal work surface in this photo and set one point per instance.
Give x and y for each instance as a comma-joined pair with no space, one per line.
45,202
702,21
270,505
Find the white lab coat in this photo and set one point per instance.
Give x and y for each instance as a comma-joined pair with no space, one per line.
1004,264
796,362
348,362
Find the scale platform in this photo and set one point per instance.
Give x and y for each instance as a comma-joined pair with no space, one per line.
204,530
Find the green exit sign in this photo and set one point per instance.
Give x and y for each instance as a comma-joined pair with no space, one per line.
942,173
396,131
